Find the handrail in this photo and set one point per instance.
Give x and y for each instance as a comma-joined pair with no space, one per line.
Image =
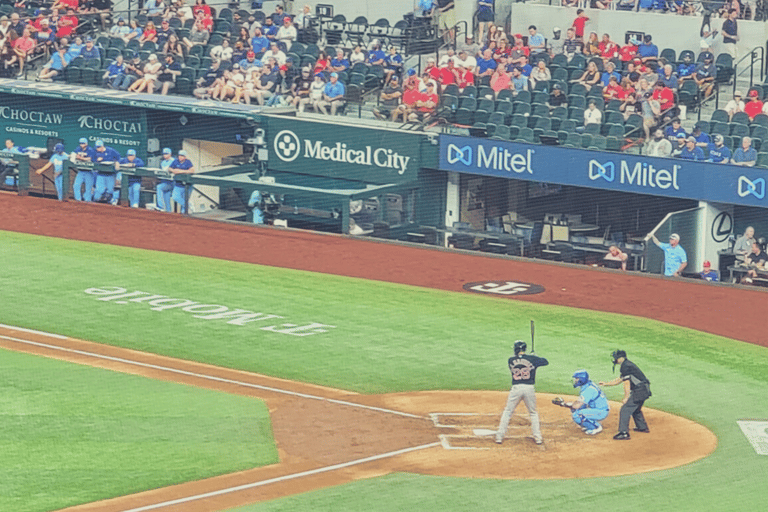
753,56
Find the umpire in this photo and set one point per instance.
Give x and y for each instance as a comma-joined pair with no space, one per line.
637,390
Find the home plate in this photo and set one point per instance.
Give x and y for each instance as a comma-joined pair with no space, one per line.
483,432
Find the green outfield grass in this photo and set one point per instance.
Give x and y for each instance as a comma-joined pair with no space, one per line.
73,434
390,338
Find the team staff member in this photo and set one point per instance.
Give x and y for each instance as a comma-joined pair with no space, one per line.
675,258
164,187
105,179
134,182
523,369
637,390
84,178
57,162
181,165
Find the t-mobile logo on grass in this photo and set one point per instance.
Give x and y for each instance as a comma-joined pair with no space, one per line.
118,295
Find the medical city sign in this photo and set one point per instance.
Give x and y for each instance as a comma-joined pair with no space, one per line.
621,172
343,151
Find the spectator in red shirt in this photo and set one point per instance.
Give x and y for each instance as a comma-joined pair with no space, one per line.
666,99
608,49
629,51
613,90
754,106
500,79
201,6
502,50
432,70
579,22
466,77
448,75
408,104
67,24
23,48
425,105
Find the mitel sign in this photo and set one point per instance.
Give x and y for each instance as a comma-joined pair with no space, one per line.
491,157
640,174
288,147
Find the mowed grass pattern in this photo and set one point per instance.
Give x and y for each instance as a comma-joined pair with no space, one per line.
393,338
74,434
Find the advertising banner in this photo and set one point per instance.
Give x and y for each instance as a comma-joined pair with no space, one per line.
342,151
668,177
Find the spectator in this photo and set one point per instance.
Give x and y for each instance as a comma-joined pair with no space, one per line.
149,77
163,33
55,67
613,90
333,95
616,257
393,64
89,51
449,75
706,33
250,61
226,88
166,78
557,98
286,34
446,16
485,16
276,53
735,105
244,37
628,52
469,46
300,87
648,51
278,16
571,45
116,68
754,105
67,24
407,106
686,69
201,6
322,63
174,47
707,273
486,65
315,94
702,138
540,73
666,100
198,35
269,29
500,80
704,76
691,151
730,32
304,18
132,72
608,49
222,51
120,29
181,165
609,72
718,151
592,115
205,83
134,31
669,78
746,155
535,40
376,55
629,105
57,162
555,44
259,43
44,38
590,77
518,52
356,56
519,80
675,259
16,24
743,245
22,51
502,51
466,76
658,145
465,60
432,70
678,148
149,33
390,99
592,45
154,7
266,85
425,105
579,22
754,260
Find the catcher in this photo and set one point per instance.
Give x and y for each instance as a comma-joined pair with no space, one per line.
590,408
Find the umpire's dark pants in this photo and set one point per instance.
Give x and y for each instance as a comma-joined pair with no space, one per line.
633,409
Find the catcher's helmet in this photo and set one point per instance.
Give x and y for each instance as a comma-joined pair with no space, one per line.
581,377
520,346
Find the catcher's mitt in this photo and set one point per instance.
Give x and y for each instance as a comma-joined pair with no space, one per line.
558,401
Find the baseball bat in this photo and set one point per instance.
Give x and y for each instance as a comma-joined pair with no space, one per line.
533,347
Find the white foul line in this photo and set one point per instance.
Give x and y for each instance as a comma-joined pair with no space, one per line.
200,375
32,331
281,478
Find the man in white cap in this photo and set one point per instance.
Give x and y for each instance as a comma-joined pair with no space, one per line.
675,259
735,105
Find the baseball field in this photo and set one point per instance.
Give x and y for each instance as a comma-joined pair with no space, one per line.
151,362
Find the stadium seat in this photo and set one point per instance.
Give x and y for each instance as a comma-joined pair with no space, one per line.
532,120
599,143
465,117
614,118
468,103
760,119
470,91
502,132
539,97
505,94
703,125
484,92
724,65
497,118
561,112
560,60
578,61
539,109
669,55
762,160
521,107
586,140
542,86
576,113
633,126
543,124
451,89
568,125
560,74
519,120
526,134
738,117
577,89
717,127
490,129
505,108
758,131
739,130
615,130
613,143
592,129
574,139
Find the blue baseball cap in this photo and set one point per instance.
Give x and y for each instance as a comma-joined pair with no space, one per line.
58,148
99,143
83,141
131,152
167,151
411,72
335,75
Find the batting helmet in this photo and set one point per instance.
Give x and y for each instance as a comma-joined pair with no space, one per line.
580,377
520,346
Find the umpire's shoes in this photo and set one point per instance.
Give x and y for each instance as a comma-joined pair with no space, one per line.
621,436
499,441
643,430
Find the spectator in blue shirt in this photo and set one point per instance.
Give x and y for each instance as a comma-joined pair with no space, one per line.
669,78
535,40
89,51
674,130
675,259
117,67
377,55
746,154
702,139
55,67
691,151
719,153
519,81
270,29
333,95
686,68
608,73
648,51
486,65
259,43
525,68
340,63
